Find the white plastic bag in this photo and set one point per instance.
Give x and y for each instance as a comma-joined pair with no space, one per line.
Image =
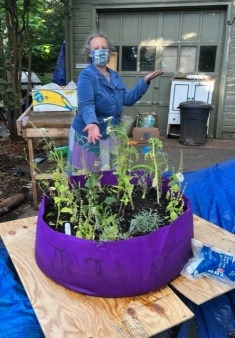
213,263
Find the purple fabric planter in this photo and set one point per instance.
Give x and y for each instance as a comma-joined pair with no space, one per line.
123,268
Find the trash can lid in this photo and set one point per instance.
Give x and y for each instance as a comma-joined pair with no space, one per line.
195,104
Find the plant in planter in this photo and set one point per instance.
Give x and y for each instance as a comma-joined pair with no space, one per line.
130,229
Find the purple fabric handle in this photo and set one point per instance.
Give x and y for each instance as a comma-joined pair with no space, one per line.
123,268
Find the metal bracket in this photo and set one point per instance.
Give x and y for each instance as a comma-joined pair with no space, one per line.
231,22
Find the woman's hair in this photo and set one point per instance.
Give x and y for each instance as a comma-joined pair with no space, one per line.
87,48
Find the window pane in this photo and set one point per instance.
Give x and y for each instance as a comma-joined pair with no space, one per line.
129,58
169,59
207,58
147,58
188,59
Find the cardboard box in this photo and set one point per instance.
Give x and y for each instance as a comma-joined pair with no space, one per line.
142,135
54,99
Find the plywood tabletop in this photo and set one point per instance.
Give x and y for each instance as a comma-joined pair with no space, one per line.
64,313
203,289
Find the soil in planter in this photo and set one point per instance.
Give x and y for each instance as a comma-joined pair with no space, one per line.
127,213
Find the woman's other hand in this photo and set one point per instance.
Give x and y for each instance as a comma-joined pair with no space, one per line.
153,75
93,132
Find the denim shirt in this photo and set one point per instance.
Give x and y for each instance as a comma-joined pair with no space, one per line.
98,98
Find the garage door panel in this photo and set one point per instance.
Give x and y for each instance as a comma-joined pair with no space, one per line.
144,108
169,59
148,96
210,27
130,111
188,60
130,28
169,21
190,27
111,25
183,40
163,90
162,115
148,21
129,81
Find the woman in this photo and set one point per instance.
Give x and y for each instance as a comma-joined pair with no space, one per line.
101,94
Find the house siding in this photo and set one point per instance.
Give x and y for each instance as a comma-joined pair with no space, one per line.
83,15
227,127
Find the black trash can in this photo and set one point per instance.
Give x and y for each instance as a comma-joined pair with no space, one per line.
193,122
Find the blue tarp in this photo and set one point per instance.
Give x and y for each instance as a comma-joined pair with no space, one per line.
17,318
59,76
212,195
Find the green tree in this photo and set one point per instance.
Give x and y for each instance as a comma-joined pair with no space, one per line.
49,26
30,34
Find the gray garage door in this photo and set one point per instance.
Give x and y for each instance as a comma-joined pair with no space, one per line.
179,42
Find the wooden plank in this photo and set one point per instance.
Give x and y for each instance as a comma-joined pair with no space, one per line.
58,119
64,313
213,235
203,289
44,176
19,121
47,132
32,171
52,124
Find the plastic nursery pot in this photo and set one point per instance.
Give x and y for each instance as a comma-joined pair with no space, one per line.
122,268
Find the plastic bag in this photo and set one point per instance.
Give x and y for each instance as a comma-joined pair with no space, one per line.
213,263
52,85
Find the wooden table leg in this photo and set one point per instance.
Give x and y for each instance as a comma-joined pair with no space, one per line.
32,171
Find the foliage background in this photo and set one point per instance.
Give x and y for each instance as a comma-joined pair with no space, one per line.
49,37
31,35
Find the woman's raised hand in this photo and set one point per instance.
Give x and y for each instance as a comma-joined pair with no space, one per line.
153,75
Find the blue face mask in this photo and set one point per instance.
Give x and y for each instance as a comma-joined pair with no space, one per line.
100,57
